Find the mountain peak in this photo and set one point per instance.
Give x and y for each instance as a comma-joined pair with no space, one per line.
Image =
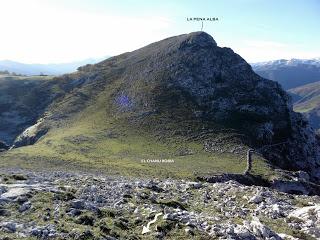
191,40
200,38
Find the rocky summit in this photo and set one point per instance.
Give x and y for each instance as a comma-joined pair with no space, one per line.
152,144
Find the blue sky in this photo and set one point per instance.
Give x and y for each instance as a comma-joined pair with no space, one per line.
44,31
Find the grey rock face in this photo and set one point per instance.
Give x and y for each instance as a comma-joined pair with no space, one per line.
9,226
24,207
30,135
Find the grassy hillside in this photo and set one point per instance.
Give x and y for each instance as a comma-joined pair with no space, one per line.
95,140
306,97
306,100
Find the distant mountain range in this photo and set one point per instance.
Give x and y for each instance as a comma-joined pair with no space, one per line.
47,69
290,73
301,79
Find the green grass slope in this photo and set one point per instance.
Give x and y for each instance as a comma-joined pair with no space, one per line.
306,100
96,140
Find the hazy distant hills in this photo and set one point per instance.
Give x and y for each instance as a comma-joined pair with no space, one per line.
290,73
301,79
48,69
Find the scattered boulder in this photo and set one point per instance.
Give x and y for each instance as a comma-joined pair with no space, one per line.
44,232
260,230
18,177
74,212
25,206
9,226
86,219
256,199
78,204
310,220
4,212
242,232
85,235
195,185
13,193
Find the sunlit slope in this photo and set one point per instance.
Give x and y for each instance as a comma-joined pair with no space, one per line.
307,101
96,140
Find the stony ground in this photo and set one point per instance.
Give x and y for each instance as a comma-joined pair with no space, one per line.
60,205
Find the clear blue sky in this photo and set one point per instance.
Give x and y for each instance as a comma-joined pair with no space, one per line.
66,30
